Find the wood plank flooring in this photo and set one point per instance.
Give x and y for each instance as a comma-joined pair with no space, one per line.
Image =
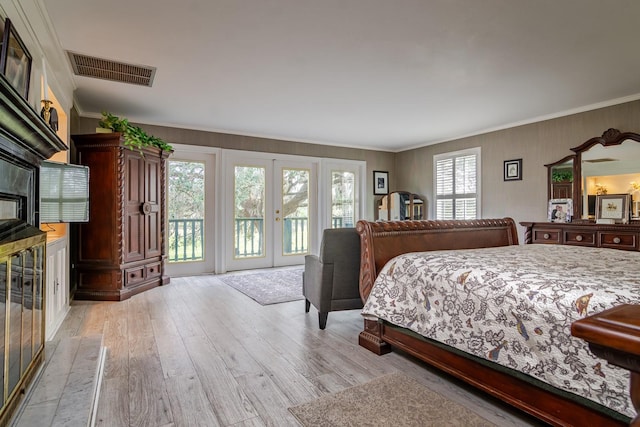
199,353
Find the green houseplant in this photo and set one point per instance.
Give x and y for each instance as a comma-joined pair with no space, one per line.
134,136
562,176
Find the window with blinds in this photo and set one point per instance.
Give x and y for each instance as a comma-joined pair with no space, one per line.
457,184
64,193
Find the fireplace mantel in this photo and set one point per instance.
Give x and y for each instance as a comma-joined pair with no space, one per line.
24,133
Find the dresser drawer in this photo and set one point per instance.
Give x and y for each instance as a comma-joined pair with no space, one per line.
581,238
618,240
546,235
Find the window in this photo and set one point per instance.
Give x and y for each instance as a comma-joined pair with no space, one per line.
457,184
343,198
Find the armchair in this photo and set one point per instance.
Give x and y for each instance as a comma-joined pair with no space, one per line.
331,279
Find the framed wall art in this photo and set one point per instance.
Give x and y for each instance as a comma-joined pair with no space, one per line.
15,60
513,170
613,207
380,182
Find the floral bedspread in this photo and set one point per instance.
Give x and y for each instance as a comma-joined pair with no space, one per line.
514,305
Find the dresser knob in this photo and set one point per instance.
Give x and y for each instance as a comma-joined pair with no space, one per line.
546,236
579,238
616,240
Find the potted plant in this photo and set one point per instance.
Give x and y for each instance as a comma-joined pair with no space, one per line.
134,136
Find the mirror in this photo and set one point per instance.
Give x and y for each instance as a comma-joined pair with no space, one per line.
401,205
609,164
610,170
560,178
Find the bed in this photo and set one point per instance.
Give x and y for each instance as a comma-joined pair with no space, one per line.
503,355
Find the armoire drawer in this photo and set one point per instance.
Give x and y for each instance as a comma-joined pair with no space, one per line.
134,275
152,270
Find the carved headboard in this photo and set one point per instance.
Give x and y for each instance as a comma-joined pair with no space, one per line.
381,241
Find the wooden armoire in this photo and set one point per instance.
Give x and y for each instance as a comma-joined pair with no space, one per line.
120,251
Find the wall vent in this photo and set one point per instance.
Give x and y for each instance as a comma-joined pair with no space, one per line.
107,69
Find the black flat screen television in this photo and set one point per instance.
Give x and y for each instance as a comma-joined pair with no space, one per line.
591,200
64,193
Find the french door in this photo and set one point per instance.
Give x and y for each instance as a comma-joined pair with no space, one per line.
190,239
270,210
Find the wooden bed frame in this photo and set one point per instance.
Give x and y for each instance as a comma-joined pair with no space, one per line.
381,241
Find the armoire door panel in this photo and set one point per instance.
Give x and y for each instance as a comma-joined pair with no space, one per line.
134,179
134,232
134,238
152,191
154,236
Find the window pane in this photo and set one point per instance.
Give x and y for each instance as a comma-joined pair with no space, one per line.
186,211
249,211
465,208
343,199
466,174
295,211
444,177
444,209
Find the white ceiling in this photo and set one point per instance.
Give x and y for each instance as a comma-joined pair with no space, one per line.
379,74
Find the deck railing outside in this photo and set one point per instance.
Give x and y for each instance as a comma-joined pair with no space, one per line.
186,237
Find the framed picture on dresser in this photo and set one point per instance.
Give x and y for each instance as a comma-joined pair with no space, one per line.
613,207
560,210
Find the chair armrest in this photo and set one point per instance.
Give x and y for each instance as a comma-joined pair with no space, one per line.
317,282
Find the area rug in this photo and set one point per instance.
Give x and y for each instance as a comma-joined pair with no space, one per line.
268,286
391,400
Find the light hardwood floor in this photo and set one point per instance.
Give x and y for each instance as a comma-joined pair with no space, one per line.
199,353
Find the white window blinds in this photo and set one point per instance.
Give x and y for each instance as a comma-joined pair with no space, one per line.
64,192
457,181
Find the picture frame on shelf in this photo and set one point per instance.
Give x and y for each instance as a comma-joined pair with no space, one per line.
613,207
15,60
560,210
380,183
513,170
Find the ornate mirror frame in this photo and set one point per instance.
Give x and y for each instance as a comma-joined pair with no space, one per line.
610,137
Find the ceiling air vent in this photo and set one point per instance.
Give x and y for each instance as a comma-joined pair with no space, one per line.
107,69
602,160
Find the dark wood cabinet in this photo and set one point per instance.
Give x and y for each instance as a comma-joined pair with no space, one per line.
120,251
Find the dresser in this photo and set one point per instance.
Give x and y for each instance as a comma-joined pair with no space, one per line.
120,251
614,236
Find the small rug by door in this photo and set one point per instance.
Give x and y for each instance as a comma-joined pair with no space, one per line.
391,400
268,286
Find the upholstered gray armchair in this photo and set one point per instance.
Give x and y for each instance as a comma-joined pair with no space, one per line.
331,280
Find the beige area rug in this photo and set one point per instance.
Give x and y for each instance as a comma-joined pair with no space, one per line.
392,400
266,287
